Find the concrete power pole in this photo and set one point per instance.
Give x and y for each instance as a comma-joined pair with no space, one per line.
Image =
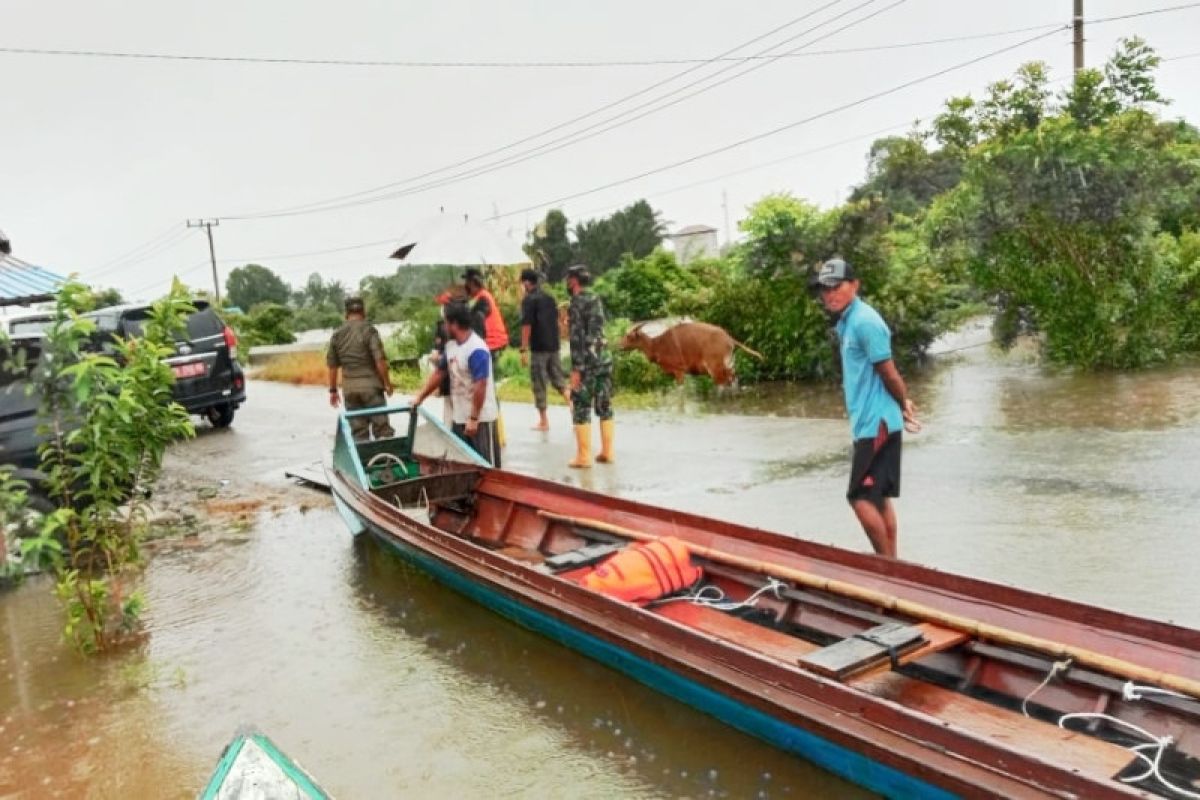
1077,22
208,224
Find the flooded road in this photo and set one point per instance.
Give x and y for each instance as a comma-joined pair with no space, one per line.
384,684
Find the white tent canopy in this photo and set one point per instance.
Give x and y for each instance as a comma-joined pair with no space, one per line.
455,239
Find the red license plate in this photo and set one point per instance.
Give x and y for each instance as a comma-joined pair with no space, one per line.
188,370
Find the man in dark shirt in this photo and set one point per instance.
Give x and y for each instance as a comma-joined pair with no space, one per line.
357,350
539,336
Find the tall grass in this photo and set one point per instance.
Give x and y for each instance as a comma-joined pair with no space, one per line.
302,369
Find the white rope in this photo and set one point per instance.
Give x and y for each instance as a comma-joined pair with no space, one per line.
1055,668
1132,691
714,597
1158,743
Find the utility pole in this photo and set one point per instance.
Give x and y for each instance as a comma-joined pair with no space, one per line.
1078,25
207,224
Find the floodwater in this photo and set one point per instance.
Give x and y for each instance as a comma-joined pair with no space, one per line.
385,684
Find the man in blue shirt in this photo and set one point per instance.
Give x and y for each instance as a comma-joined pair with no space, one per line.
876,401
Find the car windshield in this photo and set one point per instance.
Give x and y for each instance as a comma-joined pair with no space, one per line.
201,324
26,326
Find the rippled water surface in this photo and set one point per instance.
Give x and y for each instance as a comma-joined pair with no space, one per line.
384,684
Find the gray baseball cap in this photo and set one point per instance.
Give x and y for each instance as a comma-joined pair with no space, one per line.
835,271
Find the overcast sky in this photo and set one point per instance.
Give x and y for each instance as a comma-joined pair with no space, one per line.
99,156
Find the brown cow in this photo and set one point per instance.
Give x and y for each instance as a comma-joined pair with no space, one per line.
687,348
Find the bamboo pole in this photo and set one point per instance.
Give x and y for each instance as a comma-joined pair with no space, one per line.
975,628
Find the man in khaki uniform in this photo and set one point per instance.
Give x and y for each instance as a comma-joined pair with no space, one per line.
357,349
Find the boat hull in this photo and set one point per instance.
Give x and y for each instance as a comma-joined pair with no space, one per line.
895,733
842,761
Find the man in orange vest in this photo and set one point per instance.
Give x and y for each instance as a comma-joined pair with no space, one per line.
488,323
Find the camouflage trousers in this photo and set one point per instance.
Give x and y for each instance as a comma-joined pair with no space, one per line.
362,428
595,392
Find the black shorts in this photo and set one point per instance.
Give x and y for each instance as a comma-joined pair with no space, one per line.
875,467
486,441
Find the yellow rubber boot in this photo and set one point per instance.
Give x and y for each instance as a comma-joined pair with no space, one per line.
606,443
500,430
583,447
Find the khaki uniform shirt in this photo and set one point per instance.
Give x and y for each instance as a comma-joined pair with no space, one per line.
356,348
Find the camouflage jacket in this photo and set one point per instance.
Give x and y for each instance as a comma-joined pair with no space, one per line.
589,350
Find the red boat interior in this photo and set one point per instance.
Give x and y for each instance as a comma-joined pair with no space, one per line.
1080,718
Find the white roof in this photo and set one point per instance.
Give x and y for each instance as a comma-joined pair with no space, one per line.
454,239
691,230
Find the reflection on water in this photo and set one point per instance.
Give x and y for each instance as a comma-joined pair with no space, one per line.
381,682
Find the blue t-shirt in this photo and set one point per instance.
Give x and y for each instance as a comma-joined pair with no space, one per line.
865,342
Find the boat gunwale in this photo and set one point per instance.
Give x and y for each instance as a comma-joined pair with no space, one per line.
1167,638
782,689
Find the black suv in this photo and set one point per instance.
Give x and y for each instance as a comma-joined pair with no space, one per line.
19,409
208,378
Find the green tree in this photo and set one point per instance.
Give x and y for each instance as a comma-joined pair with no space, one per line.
905,175
635,230
1059,212
549,246
103,298
767,299
252,284
317,293
642,288
783,235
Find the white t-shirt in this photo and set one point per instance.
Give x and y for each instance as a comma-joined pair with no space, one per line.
467,363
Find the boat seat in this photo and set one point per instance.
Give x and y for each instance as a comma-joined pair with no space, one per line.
883,644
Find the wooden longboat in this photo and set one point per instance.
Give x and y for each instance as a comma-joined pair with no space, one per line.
962,711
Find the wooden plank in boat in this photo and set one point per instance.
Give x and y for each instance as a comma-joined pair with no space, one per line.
937,639
870,648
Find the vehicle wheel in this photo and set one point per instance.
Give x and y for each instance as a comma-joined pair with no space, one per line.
220,416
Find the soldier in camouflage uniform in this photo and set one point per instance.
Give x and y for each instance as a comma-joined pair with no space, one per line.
357,350
591,370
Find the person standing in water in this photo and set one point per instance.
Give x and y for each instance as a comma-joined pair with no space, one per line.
540,344
877,403
468,365
591,370
356,349
488,323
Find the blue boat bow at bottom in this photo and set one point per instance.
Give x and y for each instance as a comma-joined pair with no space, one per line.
254,768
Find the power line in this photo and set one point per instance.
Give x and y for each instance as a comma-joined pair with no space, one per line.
787,127
512,64
618,120
280,257
544,131
592,64
724,176
1148,12
172,230
171,241
370,196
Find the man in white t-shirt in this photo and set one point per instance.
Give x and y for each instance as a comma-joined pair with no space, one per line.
468,363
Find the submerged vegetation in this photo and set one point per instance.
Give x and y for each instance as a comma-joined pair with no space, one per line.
106,417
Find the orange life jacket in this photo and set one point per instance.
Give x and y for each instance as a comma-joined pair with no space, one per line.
495,333
645,572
